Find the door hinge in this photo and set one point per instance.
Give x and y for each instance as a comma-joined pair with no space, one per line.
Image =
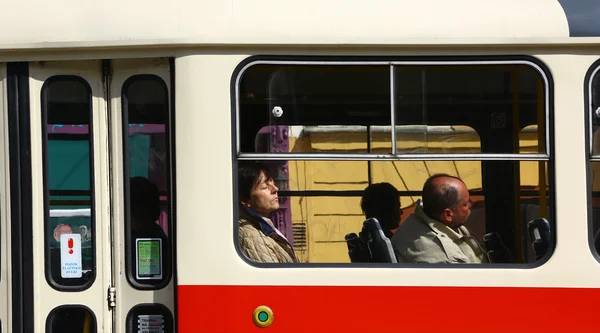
112,297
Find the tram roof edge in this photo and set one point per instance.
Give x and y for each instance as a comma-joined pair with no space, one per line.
37,24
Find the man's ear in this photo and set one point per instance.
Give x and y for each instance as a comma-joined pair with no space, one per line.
447,215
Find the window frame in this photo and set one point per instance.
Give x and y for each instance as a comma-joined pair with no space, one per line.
44,110
167,263
52,314
547,156
590,158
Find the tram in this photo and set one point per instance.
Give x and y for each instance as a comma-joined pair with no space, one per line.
123,126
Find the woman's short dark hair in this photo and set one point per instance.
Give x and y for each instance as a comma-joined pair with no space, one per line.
382,201
249,175
437,196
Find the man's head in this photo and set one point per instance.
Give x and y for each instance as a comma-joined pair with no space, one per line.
382,202
446,199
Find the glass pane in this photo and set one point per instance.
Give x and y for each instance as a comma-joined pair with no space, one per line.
595,114
146,110
312,108
469,109
66,112
71,319
505,195
320,202
321,194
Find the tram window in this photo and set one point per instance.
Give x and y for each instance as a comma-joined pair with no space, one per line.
595,160
147,181
71,319
457,110
68,182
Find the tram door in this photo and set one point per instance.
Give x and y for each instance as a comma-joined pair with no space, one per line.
101,196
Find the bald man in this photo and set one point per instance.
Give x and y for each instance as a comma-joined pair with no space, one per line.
435,232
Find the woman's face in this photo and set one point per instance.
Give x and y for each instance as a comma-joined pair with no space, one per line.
263,198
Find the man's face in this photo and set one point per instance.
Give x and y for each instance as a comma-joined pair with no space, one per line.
463,209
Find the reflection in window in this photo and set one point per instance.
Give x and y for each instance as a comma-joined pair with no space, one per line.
71,319
68,185
499,110
148,187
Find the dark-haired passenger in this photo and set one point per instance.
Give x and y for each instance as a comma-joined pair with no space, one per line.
259,239
435,232
145,209
382,201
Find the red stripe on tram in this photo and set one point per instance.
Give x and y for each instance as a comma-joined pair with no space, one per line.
329,309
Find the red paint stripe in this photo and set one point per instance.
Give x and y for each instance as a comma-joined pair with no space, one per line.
228,309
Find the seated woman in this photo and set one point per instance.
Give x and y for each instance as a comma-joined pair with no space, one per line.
259,239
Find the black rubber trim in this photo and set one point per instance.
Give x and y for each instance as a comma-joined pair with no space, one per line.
238,72
21,195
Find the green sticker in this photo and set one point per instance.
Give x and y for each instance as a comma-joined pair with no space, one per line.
148,257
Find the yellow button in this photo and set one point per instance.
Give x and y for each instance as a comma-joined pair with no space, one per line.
262,316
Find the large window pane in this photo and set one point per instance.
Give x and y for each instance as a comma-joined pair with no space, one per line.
320,201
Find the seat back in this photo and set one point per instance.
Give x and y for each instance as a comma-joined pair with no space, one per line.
357,249
372,245
496,251
380,246
540,235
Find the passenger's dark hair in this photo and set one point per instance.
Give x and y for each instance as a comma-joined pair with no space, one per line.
144,199
249,175
438,196
382,201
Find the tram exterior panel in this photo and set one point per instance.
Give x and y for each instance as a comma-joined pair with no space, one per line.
97,101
